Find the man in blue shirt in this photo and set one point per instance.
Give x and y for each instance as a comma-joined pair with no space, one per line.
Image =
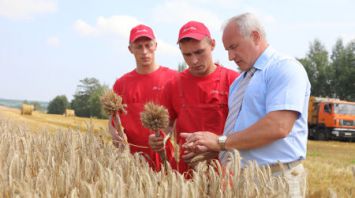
269,124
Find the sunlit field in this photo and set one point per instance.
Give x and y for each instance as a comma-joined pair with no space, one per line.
56,156
39,121
331,168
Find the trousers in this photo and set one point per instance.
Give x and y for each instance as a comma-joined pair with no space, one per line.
296,179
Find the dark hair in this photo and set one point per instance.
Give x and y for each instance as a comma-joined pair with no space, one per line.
187,39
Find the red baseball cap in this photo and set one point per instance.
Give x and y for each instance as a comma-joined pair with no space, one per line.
140,31
195,30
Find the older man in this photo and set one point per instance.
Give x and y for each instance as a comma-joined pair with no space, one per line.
267,120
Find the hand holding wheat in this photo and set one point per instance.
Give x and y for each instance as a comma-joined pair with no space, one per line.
156,118
112,103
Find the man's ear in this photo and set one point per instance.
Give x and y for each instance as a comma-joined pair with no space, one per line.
255,35
130,48
156,45
213,43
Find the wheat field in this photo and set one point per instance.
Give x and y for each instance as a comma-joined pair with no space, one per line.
55,156
331,169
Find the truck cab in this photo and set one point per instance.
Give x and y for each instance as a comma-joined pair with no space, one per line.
331,119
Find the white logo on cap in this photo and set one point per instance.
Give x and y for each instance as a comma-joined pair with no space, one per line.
142,30
189,28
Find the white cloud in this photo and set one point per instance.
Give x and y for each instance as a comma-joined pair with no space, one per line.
24,9
106,26
118,27
180,12
225,4
268,19
83,28
53,41
264,17
167,49
323,25
347,38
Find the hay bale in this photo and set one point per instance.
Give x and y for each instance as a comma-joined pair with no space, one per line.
69,113
27,109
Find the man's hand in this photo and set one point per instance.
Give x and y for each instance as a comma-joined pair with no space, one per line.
156,143
118,137
192,159
201,141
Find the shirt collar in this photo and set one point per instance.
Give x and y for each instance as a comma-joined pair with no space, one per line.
261,62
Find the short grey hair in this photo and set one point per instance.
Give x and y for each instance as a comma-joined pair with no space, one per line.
247,23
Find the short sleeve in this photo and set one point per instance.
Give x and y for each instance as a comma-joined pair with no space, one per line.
287,85
166,99
116,87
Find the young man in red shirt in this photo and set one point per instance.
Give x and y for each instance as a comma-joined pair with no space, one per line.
144,84
197,99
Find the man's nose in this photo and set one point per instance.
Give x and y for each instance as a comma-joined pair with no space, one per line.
145,50
194,59
231,55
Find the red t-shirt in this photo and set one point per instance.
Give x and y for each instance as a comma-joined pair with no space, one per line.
198,103
136,90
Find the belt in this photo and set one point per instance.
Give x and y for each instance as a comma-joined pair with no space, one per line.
284,166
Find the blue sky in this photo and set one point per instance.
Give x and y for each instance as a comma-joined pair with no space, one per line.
47,46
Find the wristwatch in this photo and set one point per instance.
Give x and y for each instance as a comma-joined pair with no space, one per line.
222,142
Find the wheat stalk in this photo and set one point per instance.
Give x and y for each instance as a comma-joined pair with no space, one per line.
156,117
70,163
112,103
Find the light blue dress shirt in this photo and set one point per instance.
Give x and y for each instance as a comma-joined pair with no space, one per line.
279,83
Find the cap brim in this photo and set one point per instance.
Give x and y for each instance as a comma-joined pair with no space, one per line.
142,35
193,36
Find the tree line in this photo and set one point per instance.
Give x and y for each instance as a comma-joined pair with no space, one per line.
86,100
331,75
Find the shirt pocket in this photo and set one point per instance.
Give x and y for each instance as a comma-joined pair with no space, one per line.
255,95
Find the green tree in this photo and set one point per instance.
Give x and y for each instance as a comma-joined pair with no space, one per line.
58,105
319,71
349,82
38,106
182,67
343,62
339,61
86,101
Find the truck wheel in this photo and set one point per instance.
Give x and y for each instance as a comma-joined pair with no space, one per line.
312,133
322,134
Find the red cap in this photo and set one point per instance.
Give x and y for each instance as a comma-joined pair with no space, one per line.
195,30
140,31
